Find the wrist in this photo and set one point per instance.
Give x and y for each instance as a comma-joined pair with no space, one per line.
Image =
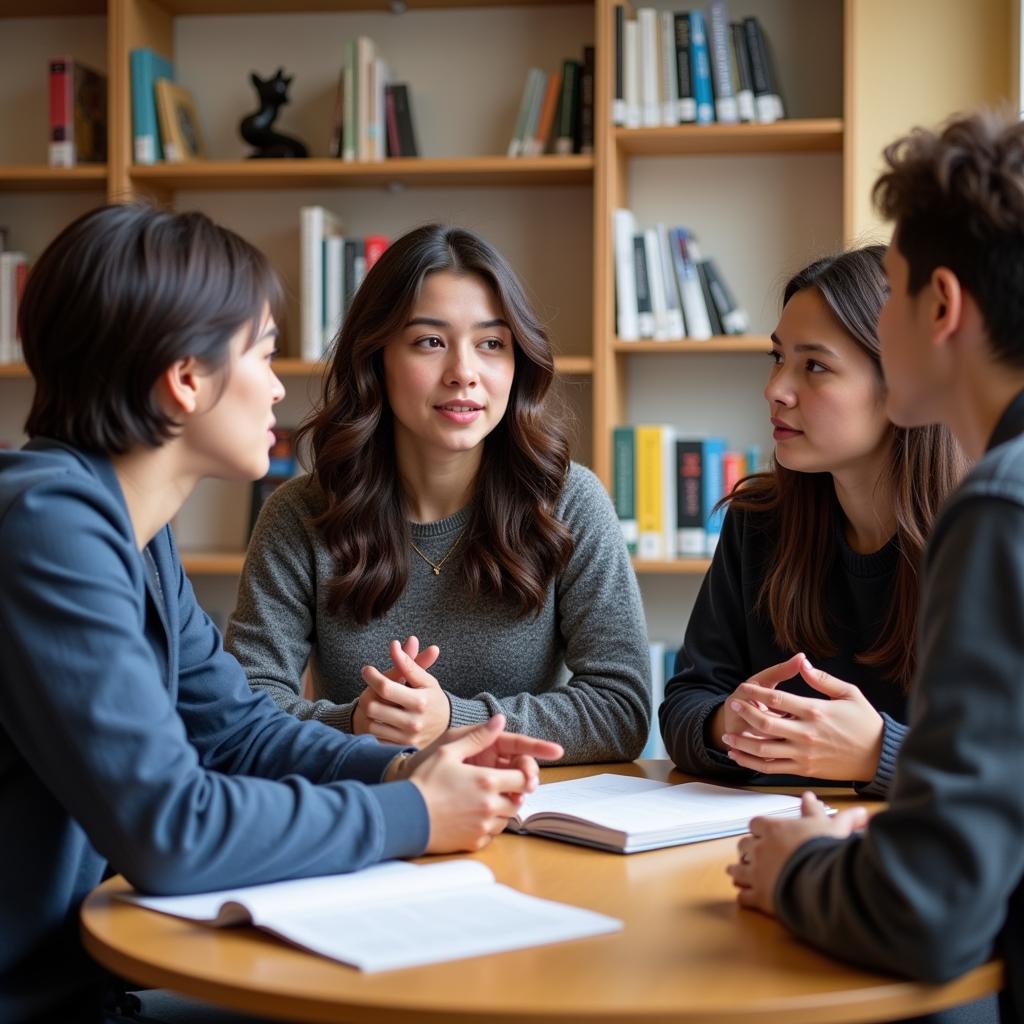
399,767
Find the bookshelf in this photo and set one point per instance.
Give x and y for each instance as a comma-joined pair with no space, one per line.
763,198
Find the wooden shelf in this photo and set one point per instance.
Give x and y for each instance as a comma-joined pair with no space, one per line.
746,343
41,178
812,135
571,366
464,172
176,7
50,8
675,566
212,563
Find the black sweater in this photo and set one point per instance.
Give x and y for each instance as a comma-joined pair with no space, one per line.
727,642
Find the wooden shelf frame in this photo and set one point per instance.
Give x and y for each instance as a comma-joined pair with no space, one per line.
758,344
794,135
672,567
42,178
403,172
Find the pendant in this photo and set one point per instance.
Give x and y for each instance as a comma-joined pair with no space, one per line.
437,571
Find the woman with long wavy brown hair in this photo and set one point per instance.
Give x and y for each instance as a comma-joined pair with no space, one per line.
819,559
442,504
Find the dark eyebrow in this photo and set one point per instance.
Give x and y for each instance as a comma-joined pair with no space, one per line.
428,321
807,347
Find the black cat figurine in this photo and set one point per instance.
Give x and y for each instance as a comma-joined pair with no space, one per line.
256,128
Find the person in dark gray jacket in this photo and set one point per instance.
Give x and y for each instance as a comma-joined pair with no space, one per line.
129,740
934,885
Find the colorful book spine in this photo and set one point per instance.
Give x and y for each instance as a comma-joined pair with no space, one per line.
624,483
701,65
691,537
146,66
655,492
714,449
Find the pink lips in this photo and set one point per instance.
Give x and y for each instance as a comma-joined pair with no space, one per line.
783,431
460,412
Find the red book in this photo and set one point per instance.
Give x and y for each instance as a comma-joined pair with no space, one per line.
734,469
62,118
374,247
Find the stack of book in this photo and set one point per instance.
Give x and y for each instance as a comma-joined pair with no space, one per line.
13,271
664,287
372,113
556,110
78,113
682,67
665,487
332,266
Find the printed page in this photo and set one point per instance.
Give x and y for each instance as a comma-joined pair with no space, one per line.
579,796
690,807
433,927
387,881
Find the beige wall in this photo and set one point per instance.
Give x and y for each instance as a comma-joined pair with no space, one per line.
894,82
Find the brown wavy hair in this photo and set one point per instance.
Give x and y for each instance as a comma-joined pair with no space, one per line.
514,543
802,510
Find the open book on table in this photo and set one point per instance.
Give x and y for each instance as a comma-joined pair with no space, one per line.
626,814
393,914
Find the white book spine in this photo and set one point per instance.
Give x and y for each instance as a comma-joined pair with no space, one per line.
6,309
669,70
656,283
767,108
623,229
532,145
695,311
673,310
631,73
745,105
647,27
364,94
334,255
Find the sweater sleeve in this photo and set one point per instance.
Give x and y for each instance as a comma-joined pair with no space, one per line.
711,663
893,734
158,787
924,889
271,631
602,712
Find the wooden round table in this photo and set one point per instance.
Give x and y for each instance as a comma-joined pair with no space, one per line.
687,953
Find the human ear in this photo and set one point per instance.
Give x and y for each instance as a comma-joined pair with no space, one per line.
946,305
180,385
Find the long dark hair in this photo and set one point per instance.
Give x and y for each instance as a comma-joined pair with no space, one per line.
925,464
514,543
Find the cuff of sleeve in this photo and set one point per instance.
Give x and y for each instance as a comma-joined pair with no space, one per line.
784,899
893,733
405,817
466,711
367,759
338,716
703,756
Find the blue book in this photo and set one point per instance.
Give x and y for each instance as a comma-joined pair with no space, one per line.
700,65
714,449
146,67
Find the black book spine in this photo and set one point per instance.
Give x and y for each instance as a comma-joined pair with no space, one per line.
758,70
709,300
620,95
587,102
742,56
684,71
643,288
403,115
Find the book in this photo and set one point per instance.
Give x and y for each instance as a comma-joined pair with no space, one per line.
284,464
366,54
705,287
13,270
315,225
619,97
765,101
691,537
350,122
720,46
713,490
625,814
401,130
392,915
146,66
669,68
334,146
701,69
626,313
631,73
695,313
624,483
568,108
655,746
586,119
536,145
655,492
687,104
642,275
733,318
647,32
744,87
78,113
180,131
656,284
674,329
517,143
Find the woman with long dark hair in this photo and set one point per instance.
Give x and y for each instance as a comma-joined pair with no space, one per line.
442,504
818,560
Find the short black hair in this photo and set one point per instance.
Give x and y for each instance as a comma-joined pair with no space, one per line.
957,200
121,294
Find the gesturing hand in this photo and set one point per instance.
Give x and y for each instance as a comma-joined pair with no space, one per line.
473,780
763,853
782,733
726,719
405,705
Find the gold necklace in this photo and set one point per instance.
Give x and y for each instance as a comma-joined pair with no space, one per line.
436,566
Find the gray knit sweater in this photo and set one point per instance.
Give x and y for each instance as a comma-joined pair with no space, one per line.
592,623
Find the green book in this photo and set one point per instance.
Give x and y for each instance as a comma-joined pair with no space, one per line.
624,483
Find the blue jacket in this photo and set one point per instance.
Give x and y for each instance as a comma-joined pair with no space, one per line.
129,741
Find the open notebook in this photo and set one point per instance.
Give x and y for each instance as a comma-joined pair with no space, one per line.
393,914
627,815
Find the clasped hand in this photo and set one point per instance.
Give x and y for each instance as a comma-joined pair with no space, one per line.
779,733
405,705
